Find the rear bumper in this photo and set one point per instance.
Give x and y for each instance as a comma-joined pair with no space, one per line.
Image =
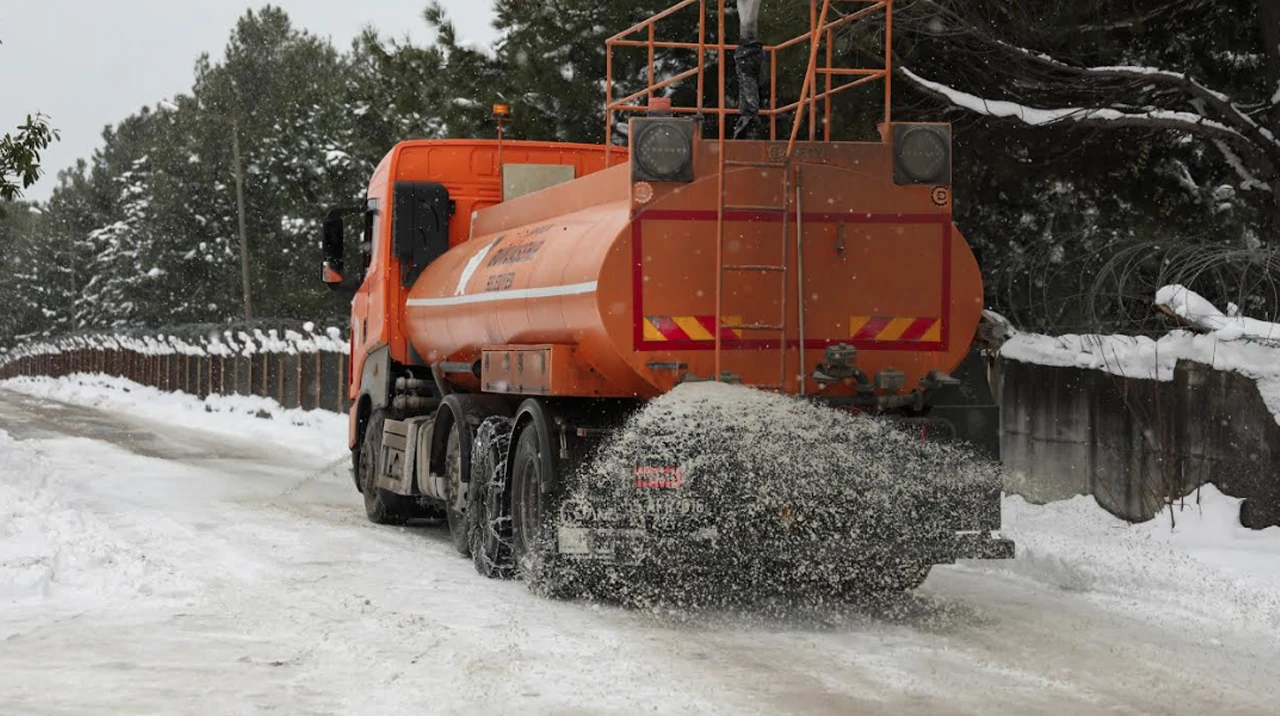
977,545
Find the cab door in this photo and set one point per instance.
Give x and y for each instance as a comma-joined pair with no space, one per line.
368,307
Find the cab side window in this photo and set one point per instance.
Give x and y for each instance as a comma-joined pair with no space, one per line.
372,239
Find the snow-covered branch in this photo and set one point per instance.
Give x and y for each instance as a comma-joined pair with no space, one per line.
1248,181
1229,111
1150,117
1039,70
1193,310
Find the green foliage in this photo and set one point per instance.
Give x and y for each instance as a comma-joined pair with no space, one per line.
145,232
20,155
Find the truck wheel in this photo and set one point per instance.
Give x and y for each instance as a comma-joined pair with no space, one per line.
457,463
379,505
531,473
488,500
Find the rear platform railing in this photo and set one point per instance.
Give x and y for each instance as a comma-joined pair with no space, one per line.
821,68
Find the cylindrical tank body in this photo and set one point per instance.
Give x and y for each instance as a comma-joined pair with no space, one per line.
628,275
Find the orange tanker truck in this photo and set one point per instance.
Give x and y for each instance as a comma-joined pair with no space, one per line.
516,300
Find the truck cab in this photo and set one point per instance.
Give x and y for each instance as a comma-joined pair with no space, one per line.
420,203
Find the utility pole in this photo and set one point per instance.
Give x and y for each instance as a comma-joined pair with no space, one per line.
244,237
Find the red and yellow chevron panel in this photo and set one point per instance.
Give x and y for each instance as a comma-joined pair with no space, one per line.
895,328
690,328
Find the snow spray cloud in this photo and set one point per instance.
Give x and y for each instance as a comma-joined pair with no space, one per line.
740,493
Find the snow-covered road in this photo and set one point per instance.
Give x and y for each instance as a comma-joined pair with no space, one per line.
164,559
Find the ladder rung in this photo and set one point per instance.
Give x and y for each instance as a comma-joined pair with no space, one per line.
740,163
753,327
754,267
771,209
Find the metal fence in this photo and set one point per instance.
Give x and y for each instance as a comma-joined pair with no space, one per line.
305,371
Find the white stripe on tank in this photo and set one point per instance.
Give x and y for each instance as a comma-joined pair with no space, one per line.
472,264
572,289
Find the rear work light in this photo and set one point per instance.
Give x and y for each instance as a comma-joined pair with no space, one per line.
921,153
662,149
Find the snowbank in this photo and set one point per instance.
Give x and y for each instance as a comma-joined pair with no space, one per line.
52,550
1194,556
318,432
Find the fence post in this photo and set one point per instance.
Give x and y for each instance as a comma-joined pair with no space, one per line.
318,380
342,383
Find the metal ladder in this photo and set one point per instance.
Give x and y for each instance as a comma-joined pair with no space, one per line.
782,269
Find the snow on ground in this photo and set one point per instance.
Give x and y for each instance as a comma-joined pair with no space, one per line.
1194,557
50,550
159,558
1072,544
314,431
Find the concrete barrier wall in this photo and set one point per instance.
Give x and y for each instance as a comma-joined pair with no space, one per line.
302,373
1135,444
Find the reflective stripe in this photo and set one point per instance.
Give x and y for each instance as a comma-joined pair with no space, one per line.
895,329
690,328
890,329
572,289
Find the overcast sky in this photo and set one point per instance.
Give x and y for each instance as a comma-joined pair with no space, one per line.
90,63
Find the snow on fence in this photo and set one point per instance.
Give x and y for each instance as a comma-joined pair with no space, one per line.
1139,422
299,368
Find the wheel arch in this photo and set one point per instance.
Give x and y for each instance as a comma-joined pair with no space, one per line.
361,410
533,412
471,409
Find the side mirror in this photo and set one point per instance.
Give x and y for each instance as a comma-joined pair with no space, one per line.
331,269
331,273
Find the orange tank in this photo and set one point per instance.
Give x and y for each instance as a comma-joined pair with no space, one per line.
611,286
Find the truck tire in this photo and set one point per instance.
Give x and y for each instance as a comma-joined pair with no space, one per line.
488,500
538,484
380,506
532,478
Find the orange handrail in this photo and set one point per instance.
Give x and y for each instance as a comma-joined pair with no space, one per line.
822,29
809,76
